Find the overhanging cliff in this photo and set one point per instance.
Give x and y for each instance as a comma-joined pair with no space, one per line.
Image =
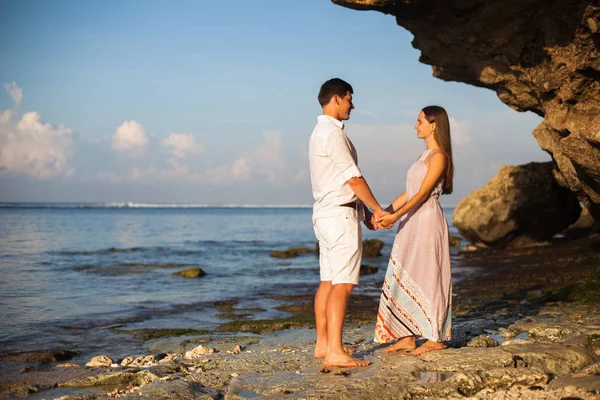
537,55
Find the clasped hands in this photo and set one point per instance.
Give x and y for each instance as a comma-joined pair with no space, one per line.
380,220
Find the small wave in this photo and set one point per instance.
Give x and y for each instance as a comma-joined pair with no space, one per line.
112,250
126,268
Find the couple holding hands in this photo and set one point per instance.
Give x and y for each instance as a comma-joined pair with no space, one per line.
416,297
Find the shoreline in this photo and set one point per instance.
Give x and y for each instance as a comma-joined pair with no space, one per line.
541,303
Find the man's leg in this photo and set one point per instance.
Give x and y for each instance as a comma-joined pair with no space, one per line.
336,312
321,318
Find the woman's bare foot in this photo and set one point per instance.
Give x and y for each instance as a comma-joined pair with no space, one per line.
407,343
344,360
427,347
319,353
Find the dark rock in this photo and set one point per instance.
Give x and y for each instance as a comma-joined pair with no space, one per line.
454,241
113,379
537,56
190,273
372,248
482,341
553,358
157,333
291,252
367,270
520,206
177,389
44,356
283,254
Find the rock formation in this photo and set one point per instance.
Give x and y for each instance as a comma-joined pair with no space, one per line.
536,55
520,206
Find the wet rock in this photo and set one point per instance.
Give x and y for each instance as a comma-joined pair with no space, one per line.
503,378
467,383
469,358
291,252
552,358
121,378
44,356
552,333
100,361
372,248
521,206
482,341
190,273
454,240
367,270
113,379
157,333
177,389
68,365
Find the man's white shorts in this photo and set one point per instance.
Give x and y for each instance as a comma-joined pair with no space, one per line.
340,243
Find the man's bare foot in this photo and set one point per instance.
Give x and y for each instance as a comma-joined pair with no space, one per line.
407,343
322,354
344,360
427,347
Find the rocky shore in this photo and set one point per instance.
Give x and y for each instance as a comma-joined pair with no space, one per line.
526,326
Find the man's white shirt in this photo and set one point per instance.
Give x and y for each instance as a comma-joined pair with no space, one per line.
333,161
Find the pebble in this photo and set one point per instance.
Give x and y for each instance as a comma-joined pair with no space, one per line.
126,361
100,361
198,351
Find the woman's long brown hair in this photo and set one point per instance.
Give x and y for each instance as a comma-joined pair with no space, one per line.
442,134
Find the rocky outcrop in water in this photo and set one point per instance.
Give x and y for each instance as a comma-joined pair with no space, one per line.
522,205
536,55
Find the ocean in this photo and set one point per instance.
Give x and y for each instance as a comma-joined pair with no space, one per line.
70,272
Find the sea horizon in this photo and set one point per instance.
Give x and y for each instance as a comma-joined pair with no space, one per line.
133,204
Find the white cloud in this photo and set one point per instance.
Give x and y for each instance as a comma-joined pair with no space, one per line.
30,147
15,92
129,136
459,130
301,176
263,162
183,144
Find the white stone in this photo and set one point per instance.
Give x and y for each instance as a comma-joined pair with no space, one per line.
100,361
126,361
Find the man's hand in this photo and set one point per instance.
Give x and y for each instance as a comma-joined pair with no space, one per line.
369,220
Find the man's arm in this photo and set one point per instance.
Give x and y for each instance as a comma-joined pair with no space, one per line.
340,154
362,190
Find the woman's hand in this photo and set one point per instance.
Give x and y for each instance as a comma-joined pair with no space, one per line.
388,220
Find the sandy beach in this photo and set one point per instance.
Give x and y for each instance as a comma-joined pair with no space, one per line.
527,326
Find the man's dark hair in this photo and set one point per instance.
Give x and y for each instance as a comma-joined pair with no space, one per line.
331,88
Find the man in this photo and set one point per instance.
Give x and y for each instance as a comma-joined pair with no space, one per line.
340,194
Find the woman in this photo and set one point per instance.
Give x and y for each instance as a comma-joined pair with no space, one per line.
417,291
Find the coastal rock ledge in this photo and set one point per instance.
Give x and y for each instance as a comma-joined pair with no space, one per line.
536,55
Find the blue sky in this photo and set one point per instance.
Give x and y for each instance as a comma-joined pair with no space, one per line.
213,102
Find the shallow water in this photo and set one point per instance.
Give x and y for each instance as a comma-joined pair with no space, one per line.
69,273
